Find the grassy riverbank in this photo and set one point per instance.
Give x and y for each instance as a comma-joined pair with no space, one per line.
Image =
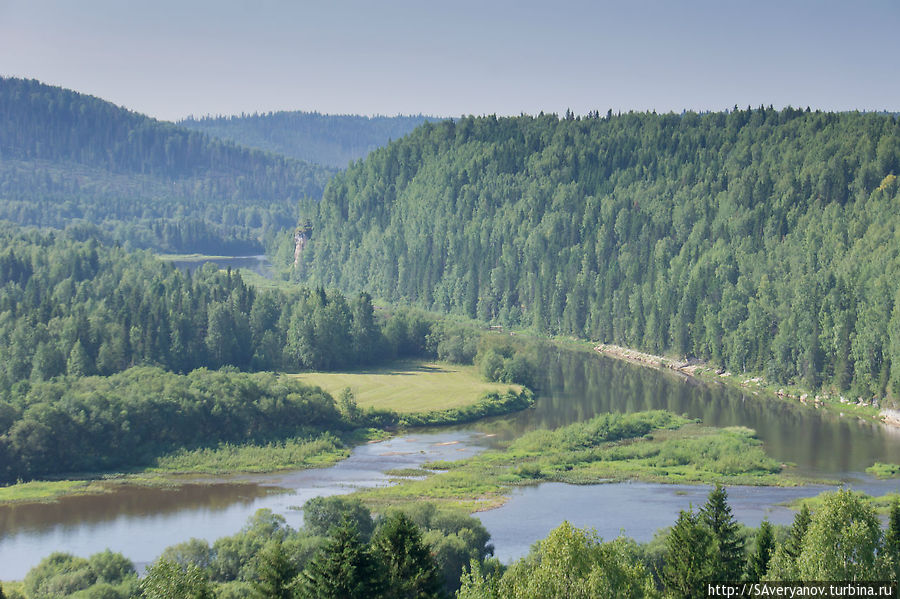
287,454
48,490
881,503
650,446
409,393
409,387
227,458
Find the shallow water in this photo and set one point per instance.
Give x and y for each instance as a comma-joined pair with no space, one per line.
575,385
634,509
142,521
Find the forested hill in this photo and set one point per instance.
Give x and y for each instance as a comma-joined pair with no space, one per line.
331,140
66,156
762,240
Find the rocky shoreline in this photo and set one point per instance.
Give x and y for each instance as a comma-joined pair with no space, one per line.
693,367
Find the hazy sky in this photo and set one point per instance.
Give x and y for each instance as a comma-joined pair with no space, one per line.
172,58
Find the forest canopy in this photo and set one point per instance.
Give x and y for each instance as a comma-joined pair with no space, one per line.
70,158
761,240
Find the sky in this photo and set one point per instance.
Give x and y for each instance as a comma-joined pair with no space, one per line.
175,58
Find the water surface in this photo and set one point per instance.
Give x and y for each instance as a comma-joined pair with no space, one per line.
574,386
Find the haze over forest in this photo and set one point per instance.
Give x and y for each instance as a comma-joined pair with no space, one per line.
713,185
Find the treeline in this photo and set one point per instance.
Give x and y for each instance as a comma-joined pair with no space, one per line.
95,341
66,156
415,552
328,139
133,418
425,552
92,424
760,240
80,308
842,540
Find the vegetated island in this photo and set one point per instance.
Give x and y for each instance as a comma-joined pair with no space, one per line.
652,446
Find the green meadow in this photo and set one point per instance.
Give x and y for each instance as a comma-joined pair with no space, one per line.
409,386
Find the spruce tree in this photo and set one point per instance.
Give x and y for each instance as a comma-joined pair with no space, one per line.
274,572
342,569
690,560
794,541
729,551
410,568
765,547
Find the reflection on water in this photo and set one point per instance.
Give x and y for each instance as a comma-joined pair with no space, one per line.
575,386
128,501
142,521
636,510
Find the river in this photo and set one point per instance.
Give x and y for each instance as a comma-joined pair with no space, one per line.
574,386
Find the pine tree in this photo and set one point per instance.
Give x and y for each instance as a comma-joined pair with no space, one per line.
765,547
343,569
690,559
410,568
717,515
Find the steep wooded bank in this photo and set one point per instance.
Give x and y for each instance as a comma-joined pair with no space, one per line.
67,157
329,139
762,240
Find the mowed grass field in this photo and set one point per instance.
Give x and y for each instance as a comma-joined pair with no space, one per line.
409,386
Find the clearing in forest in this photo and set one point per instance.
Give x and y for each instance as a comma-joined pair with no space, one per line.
409,386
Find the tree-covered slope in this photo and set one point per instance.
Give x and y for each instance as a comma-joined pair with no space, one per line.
66,156
331,140
763,240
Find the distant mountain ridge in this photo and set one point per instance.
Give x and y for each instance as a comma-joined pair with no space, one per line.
77,158
330,140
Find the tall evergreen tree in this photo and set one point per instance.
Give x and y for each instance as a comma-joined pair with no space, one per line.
410,568
690,557
794,541
343,569
275,573
729,546
762,555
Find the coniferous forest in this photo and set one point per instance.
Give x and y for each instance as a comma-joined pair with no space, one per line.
109,357
759,240
68,158
762,240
